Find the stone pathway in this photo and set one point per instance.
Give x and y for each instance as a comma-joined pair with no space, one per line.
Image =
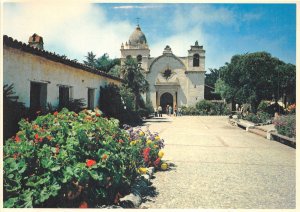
221,166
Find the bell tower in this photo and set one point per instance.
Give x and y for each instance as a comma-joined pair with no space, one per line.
196,58
137,48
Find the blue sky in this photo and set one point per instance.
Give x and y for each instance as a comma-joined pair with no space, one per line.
223,29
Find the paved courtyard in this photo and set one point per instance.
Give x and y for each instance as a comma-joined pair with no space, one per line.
221,166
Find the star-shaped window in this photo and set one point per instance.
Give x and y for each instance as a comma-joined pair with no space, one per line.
167,74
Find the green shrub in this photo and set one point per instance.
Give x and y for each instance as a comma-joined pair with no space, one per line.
220,109
13,111
252,118
260,117
75,105
286,125
204,106
66,159
111,103
189,110
263,106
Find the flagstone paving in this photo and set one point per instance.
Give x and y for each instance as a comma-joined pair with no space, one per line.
221,166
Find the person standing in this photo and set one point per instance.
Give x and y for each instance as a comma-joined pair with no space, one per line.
159,111
170,110
179,111
175,110
167,109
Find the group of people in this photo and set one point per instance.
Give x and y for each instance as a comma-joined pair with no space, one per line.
169,111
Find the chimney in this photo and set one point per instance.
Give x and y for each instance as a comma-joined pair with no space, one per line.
36,41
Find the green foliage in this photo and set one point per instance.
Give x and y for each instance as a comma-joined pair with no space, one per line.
111,103
210,81
62,159
75,105
90,60
260,117
263,106
135,80
252,77
103,63
189,110
286,125
13,111
205,107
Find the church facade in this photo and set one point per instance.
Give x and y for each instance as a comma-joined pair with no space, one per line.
173,80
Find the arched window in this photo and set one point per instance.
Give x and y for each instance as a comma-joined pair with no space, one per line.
139,58
196,59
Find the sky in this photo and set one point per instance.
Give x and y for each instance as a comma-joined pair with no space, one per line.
224,30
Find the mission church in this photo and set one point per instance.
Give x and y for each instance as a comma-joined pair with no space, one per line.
41,77
172,80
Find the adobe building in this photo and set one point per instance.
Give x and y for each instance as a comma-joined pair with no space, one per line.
42,77
173,80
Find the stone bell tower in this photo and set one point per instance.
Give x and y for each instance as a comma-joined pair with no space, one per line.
196,58
137,48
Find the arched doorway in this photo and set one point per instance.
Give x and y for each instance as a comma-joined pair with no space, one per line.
166,99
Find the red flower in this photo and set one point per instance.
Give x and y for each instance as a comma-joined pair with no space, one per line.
104,156
98,114
83,205
90,163
55,113
41,139
157,161
121,141
146,154
17,139
16,155
36,136
57,149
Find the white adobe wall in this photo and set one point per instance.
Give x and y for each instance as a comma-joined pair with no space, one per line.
161,65
195,86
21,68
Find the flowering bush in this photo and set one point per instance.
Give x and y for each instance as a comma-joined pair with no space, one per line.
292,109
67,159
286,125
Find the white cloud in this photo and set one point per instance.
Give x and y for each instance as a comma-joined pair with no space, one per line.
198,16
72,29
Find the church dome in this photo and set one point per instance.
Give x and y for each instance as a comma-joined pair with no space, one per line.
137,37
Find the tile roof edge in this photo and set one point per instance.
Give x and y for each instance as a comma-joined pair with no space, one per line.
9,41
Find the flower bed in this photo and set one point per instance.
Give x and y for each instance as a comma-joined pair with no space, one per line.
259,118
81,160
286,125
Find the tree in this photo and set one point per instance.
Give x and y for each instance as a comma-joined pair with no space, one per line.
135,80
90,60
252,77
210,80
103,63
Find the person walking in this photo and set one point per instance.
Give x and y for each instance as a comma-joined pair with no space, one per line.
167,109
170,110
159,111
175,110
179,111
